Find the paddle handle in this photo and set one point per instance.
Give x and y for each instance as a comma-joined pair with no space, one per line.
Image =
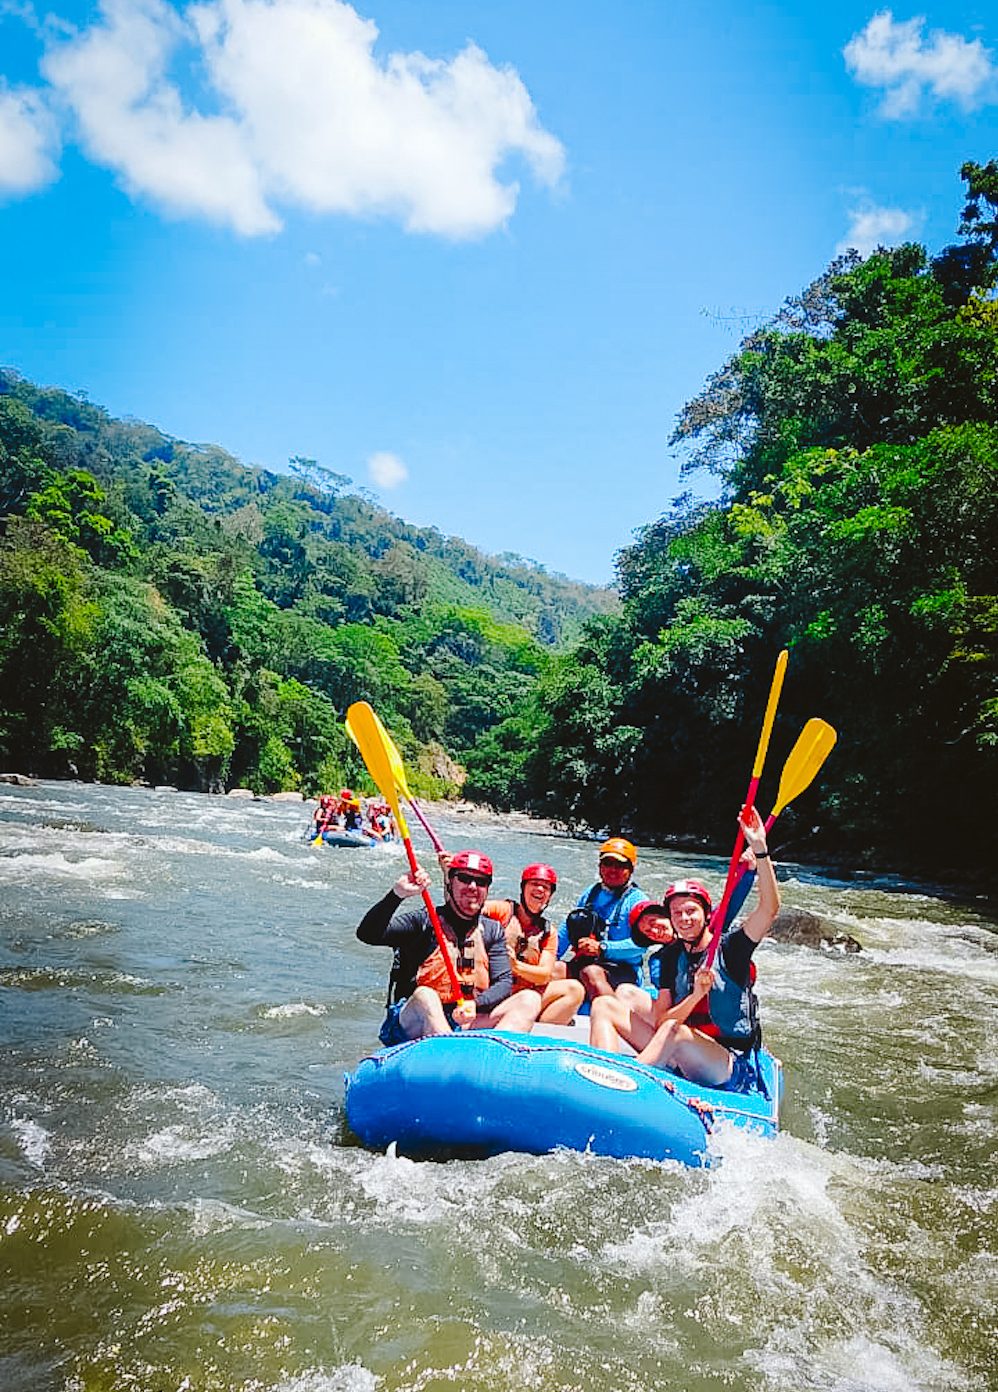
438,931
721,912
438,845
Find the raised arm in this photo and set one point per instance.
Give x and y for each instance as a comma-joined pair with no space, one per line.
760,920
373,927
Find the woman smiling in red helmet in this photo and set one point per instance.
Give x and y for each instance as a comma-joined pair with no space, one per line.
532,943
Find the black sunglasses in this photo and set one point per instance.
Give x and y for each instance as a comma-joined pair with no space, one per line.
462,877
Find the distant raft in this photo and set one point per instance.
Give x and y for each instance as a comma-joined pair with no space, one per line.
481,1092
348,838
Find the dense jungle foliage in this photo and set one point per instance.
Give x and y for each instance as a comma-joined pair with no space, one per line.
167,614
856,439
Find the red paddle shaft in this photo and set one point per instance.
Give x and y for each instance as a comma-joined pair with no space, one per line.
717,920
438,931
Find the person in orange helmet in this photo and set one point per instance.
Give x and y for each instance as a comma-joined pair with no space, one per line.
596,935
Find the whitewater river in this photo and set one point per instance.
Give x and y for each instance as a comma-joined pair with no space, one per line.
182,1208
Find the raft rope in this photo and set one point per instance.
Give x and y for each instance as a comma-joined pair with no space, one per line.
702,1110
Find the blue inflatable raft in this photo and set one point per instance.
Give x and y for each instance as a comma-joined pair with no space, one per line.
483,1092
347,838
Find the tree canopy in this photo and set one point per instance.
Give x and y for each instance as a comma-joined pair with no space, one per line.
856,440
168,614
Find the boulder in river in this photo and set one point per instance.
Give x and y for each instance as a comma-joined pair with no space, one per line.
287,797
18,780
807,929
241,793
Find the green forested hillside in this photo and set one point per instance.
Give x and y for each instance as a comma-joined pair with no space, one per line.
168,614
856,438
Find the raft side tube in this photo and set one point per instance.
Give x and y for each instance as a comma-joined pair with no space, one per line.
484,1092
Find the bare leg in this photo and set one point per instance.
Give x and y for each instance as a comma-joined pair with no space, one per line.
634,997
423,1015
560,1002
613,1018
595,981
517,1012
687,1051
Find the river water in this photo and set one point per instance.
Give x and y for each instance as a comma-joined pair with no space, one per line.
182,1208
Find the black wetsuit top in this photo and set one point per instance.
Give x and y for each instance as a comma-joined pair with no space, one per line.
412,937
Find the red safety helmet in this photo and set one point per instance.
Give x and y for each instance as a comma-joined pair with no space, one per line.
634,916
474,861
695,890
545,873
646,906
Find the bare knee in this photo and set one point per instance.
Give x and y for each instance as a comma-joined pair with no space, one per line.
604,1008
596,982
575,992
526,1004
423,1014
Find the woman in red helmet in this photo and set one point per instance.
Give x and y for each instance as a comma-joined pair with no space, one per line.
421,999
532,943
703,1023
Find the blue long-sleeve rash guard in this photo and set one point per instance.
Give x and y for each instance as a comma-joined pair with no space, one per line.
614,906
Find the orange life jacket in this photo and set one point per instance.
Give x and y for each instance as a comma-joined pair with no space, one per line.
471,965
518,938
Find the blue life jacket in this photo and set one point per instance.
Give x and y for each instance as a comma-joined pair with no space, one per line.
733,1010
614,908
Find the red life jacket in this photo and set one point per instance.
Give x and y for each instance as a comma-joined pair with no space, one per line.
699,1017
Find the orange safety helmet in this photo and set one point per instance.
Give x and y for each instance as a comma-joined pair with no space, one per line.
619,849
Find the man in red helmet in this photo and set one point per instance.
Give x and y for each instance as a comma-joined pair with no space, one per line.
532,943
704,1021
421,999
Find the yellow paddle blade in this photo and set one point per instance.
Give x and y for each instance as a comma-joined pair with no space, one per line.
398,768
770,716
814,744
375,745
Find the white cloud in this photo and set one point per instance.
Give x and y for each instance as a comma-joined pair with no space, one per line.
907,64
133,120
872,227
386,470
304,114
28,141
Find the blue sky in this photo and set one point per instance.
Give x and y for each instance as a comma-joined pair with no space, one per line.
475,256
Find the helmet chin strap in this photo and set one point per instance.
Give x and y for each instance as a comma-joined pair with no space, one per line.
535,918
697,945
